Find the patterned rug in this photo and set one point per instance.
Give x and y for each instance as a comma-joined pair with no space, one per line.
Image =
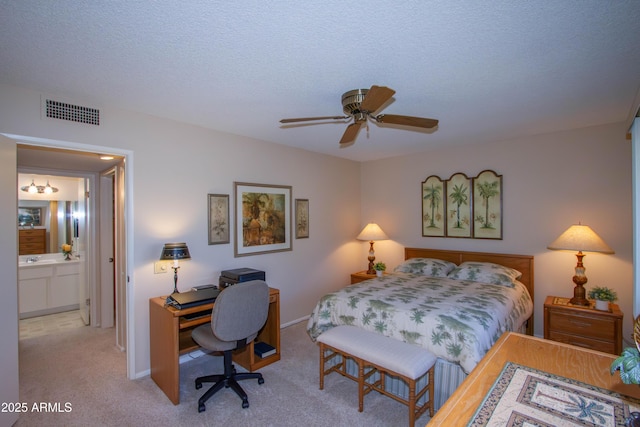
522,396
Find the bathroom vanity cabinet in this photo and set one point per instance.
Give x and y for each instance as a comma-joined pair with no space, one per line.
48,288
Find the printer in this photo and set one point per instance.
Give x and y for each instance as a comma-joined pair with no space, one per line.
231,277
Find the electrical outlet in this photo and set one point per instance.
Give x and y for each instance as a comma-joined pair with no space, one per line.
160,267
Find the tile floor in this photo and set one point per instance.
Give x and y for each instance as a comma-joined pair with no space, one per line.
52,323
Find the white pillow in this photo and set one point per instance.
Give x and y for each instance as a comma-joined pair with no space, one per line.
485,272
426,266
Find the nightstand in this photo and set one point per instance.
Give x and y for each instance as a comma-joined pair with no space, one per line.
583,326
361,276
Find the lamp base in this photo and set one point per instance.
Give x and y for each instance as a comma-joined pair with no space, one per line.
175,280
579,296
371,258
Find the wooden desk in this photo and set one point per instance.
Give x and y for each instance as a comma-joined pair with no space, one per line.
589,366
170,336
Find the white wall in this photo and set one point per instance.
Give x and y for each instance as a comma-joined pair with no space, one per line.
549,183
176,166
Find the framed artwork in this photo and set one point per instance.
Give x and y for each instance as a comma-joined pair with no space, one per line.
262,218
29,216
487,205
302,218
459,197
218,218
433,207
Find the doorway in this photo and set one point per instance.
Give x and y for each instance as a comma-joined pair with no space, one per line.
105,183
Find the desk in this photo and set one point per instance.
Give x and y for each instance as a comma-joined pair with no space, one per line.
589,366
170,336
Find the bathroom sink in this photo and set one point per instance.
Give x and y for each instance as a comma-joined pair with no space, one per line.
39,262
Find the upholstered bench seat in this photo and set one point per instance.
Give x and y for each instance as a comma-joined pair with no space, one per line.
375,353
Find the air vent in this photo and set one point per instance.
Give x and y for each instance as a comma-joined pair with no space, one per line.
74,113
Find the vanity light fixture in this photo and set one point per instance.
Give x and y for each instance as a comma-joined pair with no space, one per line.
39,189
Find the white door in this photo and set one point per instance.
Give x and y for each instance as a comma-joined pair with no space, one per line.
79,218
107,264
121,278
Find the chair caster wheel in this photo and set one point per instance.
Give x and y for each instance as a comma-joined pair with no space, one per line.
198,386
201,407
260,380
245,404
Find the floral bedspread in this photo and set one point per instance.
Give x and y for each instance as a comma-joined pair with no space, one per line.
456,320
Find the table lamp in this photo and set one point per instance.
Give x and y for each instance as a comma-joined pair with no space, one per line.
371,232
580,238
175,252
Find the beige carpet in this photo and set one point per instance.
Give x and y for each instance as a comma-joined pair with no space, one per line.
82,376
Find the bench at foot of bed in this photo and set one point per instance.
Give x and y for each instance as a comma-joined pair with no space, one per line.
375,353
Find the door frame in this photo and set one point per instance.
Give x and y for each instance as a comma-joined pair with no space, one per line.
127,251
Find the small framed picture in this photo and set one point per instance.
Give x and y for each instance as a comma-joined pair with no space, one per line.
29,217
218,215
302,218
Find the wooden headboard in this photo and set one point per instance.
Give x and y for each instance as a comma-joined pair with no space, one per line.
522,263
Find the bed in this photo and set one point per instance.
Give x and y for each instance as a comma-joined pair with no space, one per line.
456,304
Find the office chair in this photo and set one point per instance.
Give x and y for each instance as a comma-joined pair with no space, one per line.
240,311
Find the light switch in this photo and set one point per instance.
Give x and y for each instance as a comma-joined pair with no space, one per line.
160,267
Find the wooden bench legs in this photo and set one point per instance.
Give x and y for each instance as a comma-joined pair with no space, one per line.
367,382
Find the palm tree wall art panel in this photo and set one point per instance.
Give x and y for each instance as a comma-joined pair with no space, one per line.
487,205
459,202
433,207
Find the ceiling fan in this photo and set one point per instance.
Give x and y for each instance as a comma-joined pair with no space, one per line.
360,104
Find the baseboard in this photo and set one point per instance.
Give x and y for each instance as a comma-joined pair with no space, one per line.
293,322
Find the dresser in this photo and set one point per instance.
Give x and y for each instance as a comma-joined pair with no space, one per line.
32,241
583,326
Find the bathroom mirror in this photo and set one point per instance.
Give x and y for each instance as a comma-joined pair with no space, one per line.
58,217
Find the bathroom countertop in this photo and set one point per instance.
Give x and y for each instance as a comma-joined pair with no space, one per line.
45,262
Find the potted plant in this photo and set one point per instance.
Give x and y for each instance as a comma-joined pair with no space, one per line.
379,267
629,366
603,297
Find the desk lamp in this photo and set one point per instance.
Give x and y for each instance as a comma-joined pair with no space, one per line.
371,232
175,252
580,238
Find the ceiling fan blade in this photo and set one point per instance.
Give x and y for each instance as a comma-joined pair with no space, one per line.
306,119
350,134
375,97
419,122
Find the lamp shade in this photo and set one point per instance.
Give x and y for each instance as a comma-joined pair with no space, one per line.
175,251
372,232
580,238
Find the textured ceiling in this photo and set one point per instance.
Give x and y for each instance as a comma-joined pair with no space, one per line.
488,70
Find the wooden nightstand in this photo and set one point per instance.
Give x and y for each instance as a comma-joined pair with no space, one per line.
584,327
361,276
